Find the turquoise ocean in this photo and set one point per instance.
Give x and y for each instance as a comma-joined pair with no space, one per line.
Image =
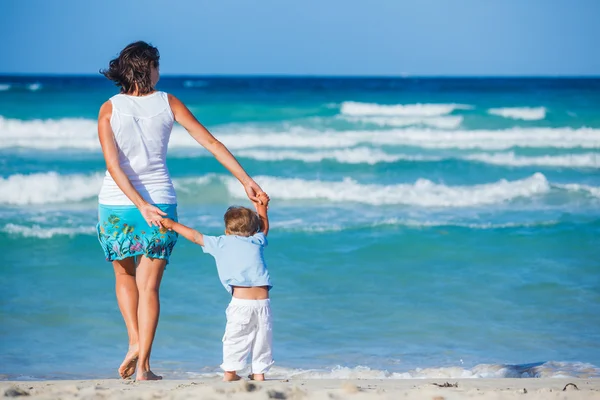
420,227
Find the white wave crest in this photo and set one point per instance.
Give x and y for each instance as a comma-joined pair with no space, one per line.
577,187
423,193
82,134
359,155
195,84
367,155
300,225
49,134
4,87
445,122
413,110
40,232
51,229
425,138
523,113
34,87
48,188
586,160
52,188
484,225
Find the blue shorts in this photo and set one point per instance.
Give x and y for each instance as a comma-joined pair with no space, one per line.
123,233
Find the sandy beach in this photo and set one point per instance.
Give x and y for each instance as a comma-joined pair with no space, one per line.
488,389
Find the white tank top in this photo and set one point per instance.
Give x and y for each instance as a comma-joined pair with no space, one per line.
142,127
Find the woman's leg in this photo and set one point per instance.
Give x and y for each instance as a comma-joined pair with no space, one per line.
148,277
127,297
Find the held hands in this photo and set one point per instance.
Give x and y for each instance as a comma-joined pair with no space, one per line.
252,191
152,214
167,223
264,201
261,210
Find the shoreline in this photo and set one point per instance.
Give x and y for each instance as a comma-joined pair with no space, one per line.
214,388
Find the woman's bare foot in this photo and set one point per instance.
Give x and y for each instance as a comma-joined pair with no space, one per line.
127,368
256,377
147,376
231,376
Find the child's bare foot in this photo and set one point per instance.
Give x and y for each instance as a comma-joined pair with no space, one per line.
231,376
256,377
127,368
147,376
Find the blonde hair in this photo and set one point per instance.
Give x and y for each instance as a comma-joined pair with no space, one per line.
241,221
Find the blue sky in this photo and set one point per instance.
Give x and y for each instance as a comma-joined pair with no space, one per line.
307,37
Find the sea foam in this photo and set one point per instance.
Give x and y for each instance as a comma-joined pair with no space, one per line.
367,155
440,122
551,369
82,134
423,192
413,110
40,232
48,188
52,188
523,113
583,160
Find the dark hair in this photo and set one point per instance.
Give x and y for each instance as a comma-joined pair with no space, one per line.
131,70
241,221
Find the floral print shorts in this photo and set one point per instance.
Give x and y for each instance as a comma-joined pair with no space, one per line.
123,233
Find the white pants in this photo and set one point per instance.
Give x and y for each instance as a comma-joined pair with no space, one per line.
248,331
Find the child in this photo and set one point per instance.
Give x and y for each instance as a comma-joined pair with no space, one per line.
243,272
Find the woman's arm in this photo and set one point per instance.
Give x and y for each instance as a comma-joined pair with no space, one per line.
184,117
151,214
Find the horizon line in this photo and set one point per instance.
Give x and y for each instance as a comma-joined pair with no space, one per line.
313,76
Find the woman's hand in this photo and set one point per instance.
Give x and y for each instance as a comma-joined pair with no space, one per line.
152,214
252,191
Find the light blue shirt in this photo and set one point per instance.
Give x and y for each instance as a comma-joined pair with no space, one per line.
240,260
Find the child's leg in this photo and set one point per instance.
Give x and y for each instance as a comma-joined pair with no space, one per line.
262,356
237,341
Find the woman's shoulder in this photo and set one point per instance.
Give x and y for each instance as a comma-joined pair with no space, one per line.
113,100
106,108
170,97
115,96
174,102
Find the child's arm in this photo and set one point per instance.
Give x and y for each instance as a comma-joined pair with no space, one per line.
261,210
190,234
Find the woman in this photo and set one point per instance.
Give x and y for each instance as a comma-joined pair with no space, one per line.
134,128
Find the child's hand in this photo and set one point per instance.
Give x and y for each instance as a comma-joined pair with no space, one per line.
264,198
167,223
261,210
